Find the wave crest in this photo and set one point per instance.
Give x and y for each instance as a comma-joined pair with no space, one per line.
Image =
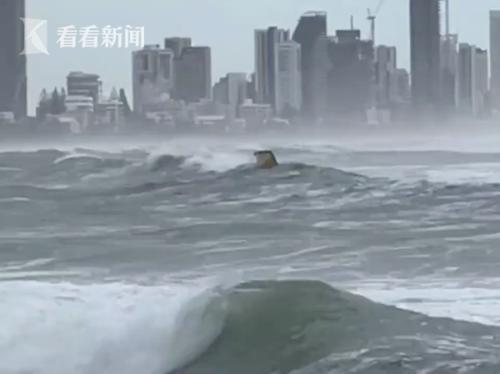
308,326
108,328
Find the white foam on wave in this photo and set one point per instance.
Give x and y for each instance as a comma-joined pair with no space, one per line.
474,173
475,303
18,265
15,200
219,161
465,173
9,169
76,156
61,328
210,156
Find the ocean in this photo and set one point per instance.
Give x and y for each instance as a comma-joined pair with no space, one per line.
180,256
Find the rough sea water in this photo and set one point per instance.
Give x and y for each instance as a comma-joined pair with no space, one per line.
181,257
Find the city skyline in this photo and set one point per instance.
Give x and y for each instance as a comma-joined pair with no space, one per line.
245,18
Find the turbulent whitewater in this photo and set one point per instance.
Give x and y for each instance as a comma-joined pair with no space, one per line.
182,257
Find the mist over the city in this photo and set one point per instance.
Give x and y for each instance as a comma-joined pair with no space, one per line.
221,187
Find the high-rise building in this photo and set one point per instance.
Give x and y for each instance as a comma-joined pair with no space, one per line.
495,57
220,91
472,80
385,75
425,55
482,99
13,79
231,91
193,74
251,88
311,34
289,82
236,89
177,44
449,67
153,77
403,85
266,63
84,84
466,77
350,76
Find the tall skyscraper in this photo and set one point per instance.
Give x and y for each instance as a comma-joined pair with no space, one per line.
13,79
236,89
466,77
231,90
153,77
350,76
403,85
495,57
482,102
289,90
193,74
385,75
472,80
425,55
266,63
311,34
449,67
177,44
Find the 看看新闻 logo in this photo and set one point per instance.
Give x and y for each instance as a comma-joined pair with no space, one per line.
35,36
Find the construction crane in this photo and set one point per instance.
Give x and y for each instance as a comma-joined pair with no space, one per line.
372,17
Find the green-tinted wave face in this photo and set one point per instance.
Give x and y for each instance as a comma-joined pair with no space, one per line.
309,327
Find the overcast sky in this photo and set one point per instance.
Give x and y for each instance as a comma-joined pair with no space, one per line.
225,25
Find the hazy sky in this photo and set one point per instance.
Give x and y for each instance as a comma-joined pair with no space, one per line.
225,25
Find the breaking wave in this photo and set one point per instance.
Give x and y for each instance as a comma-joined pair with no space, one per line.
260,327
88,172
66,328
54,174
310,327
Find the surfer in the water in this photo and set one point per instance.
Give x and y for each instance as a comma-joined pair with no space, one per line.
265,159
